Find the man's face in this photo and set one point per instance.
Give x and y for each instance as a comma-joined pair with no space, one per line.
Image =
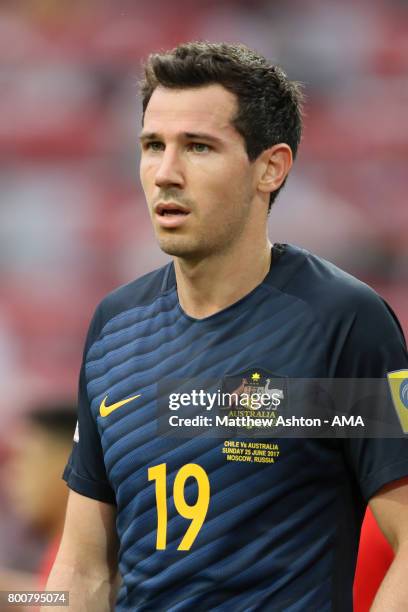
33,477
195,172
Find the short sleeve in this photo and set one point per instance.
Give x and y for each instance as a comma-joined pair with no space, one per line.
375,345
85,471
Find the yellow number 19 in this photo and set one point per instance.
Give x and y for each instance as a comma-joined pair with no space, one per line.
197,512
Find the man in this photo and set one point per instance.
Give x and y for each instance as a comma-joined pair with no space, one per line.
38,448
195,530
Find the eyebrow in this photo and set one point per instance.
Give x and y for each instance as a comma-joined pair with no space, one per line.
146,136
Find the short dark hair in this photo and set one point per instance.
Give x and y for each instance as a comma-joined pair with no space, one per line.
269,104
56,418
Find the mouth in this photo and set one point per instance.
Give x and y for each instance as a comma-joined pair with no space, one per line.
170,208
170,214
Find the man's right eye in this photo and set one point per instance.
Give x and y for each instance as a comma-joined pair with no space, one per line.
154,146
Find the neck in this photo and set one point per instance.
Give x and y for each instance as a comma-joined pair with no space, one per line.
216,281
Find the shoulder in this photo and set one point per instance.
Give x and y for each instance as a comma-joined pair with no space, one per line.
359,327
137,294
332,293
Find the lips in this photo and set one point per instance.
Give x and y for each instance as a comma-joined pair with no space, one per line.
170,208
171,214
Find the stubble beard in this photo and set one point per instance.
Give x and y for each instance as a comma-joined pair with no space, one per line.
216,240
185,247
203,242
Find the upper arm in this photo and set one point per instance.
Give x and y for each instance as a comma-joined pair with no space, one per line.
390,508
89,541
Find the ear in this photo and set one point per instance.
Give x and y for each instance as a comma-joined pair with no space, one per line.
274,164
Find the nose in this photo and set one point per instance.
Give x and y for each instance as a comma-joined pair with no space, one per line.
170,172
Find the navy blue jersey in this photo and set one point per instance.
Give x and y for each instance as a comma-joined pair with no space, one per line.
275,535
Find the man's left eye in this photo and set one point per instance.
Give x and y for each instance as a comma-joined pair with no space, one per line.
199,147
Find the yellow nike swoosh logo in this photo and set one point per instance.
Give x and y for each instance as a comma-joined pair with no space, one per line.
105,410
